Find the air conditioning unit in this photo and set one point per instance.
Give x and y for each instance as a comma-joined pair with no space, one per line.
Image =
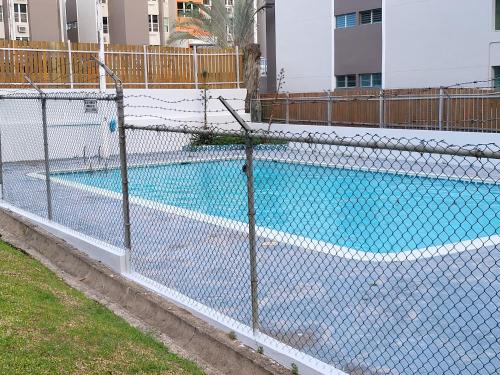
21,29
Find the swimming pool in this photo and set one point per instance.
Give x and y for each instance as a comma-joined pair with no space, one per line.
373,212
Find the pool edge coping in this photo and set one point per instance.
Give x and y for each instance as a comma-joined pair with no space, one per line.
486,242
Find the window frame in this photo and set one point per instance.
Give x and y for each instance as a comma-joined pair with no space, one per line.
152,23
371,13
373,78
496,78
105,25
496,15
19,15
345,18
347,78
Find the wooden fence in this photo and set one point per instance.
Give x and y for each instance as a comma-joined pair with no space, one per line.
70,65
463,109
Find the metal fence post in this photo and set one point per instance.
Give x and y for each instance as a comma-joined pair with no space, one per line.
1,168
287,108
237,52
195,66
441,108
381,108
329,109
251,214
123,166
251,231
43,99
46,155
120,107
70,65
146,70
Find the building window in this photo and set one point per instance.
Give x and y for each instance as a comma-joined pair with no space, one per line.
1,13
72,25
370,16
497,15
185,9
105,26
20,12
345,20
496,78
370,80
166,24
346,81
23,38
153,23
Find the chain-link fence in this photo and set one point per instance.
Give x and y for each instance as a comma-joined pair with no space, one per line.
373,255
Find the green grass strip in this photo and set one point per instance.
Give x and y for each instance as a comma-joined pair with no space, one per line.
46,327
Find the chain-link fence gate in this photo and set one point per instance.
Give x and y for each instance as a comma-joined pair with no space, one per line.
373,255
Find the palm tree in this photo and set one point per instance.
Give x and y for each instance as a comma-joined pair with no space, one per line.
216,26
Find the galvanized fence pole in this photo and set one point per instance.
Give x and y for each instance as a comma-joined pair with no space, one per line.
237,53
251,215
195,67
1,168
287,108
43,99
441,108
120,107
70,66
123,165
329,109
381,109
146,70
46,156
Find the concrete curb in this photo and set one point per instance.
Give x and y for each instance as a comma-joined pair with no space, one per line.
185,330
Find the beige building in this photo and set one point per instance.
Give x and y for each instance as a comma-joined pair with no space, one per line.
33,20
142,22
124,21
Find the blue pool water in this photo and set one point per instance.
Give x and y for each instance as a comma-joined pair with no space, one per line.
370,211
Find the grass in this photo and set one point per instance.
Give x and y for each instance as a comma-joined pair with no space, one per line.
46,327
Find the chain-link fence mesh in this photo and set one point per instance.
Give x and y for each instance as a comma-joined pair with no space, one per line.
374,255
373,259
79,140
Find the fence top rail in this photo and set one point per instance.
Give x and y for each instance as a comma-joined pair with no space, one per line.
374,97
59,96
479,151
113,52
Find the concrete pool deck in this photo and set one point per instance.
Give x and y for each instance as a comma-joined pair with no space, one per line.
416,316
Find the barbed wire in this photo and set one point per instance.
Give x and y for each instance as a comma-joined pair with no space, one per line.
182,110
178,120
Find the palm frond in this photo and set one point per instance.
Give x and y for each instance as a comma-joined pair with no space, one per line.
215,25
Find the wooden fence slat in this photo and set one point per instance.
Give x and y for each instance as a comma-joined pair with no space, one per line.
168,67
404,108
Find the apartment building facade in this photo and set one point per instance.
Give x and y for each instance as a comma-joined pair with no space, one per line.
33,20
386,43
143,22
146,22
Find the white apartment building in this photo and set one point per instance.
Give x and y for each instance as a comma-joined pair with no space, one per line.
386,43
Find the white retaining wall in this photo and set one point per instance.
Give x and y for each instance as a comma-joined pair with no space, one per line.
72,132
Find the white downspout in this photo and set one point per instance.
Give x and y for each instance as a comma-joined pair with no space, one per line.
255,23
100,38
12,22
62,19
